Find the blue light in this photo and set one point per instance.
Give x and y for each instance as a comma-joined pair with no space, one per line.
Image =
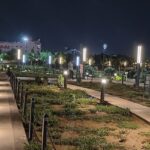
50,60
77,61
24,59
25,38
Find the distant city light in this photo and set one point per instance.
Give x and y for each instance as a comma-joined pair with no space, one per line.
125,63
24,59
50,60
84,54
19,54
139,54
77,61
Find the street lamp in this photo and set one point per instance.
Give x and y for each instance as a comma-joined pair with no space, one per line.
19,54
49,60
25,39
84,54
65,78
90,62
139,60
102,96
24,59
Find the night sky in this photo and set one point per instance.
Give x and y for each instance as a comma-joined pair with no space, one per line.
68,23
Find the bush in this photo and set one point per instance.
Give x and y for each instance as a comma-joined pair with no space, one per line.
32,146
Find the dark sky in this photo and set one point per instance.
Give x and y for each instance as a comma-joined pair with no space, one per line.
58,23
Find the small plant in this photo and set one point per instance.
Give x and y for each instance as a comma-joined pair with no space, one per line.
32,146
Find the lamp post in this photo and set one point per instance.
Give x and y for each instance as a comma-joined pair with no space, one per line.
139,53
19,56
102,96
65,78
84,60
49,61
78,69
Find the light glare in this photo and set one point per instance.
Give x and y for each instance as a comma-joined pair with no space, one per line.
139,54
84,54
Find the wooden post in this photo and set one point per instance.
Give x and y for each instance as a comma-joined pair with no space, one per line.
31,119
44,132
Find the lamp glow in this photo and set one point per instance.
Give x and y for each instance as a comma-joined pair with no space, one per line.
125,63
77,61
109,63
50,60
139,54
60,60
103,81
24,59
90,62
65,72
25,38
84,54
19,54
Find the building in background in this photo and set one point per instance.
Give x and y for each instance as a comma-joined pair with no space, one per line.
24,46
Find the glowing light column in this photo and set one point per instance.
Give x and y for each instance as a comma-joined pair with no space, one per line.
139,60
84,60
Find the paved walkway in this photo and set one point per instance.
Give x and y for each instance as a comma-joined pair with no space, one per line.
12,134
137,109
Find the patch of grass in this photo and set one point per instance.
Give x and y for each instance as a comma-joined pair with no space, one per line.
113,110
86,101
128,125
147,134
147,146
32,146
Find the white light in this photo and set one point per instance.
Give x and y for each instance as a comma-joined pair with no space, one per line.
84,54
90,62
103,81
25,39
115,74
109,63
65,72
24,59
139,54
60,60
19,54
77,61
125,63
104,46
50,60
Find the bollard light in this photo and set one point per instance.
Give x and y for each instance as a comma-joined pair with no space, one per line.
102,96
19,54
65,78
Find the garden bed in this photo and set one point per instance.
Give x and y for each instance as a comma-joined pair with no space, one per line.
77,121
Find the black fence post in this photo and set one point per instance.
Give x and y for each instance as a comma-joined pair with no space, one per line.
44,132
18,91
21,95
31,123
25,104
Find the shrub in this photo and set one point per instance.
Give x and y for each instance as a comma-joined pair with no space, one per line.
32,146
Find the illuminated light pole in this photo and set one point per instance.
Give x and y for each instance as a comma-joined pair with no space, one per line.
65,78
24,59
109,63
139,61
19,54
90,62
78,77
84,60
49,60
25,39
102,96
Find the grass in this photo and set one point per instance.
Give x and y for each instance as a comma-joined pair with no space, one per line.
128,125
123,91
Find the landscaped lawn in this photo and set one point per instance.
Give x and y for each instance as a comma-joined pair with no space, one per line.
78,122
123,91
